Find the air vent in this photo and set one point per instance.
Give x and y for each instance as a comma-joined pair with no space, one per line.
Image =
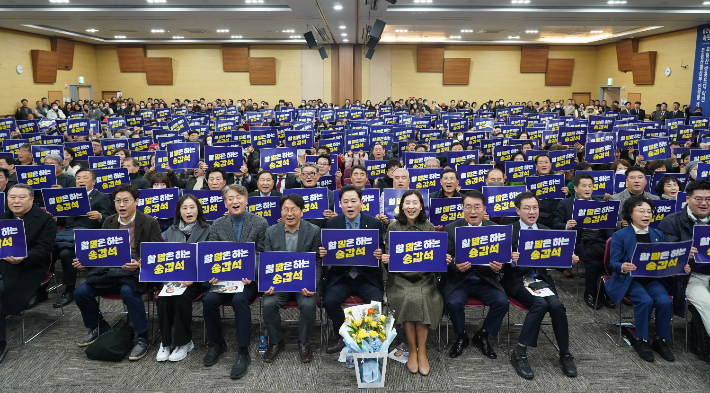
569,32
195,31
126,31
490,31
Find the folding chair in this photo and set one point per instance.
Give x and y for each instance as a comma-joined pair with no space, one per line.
47,277
158,332
521,307
116,296
471,303
291,304
350,301
223,318
346,173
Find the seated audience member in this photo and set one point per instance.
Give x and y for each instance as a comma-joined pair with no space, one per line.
400,181
122,154
100,205
285,181
237,226
463,281
70,166
354,158
635,185
98,151
548,207
386,181
324,163
668,187
432,163
9,164
528,209
216,179
345,281
309,179
24,155
20,277
122,280
194,180
242,178
449,185
264,185
189,226
294,235
645,293
679,227
358,177
63,180
159,181
137,180
379,153
414,297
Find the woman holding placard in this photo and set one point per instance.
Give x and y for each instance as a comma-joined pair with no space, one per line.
414,297
646,293
175,303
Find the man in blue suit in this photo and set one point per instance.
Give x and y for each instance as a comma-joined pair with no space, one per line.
344,281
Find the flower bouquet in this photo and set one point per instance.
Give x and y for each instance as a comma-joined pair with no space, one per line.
368,332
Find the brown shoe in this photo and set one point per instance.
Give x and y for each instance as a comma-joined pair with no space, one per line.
336,346
304,351
273,351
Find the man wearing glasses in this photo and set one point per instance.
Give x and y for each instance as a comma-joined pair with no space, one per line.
309,179
120,280
463,281
635,185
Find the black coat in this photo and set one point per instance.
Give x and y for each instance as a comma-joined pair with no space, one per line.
640,113
257,193
513,275
98,201
22,280
139,181
584,235
290,180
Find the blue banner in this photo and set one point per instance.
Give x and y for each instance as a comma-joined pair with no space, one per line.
417,160
375,168
427,179
546,187
179,124
109,146
505,153
226,261
228,158
596,214
483,245
37,176
66,202
211,201
370,202
392,198
327,181
104,162
280,159
299,139
599,123
102,247
347,247
287,271
417,251
13,145
264,139
382,138
599,152
603,182
661,259
8,125
546,248
699,96
108,179
473,177
143,158
455,158
78,127
517,171
112,123
12,239
702,155
165,262
183,155
620,183
500,200
316,200
654,149
563,160
40,152
444,211
267,207
140,144
663,209
701,241
158,202
571,135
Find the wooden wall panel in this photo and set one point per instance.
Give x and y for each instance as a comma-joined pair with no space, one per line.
456,71
262,70
334,73
381,74
44,66
131,58
311,74
65,51
159,70
358,55
559,72
345,77
624,50
430,58
644,67
533,58
235,58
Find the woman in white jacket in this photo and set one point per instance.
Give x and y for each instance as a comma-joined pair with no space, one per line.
55,113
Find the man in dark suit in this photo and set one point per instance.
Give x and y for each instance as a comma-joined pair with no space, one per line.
640,113
661,115
264,185
528,208
294,235
627,109
100,210
676,113
463,281
344,281
20,277
285,181
449,183
238,226
309,179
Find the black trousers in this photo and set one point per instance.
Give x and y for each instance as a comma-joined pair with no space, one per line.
339,291
489,295
177,311
592,270
66,256
538,307
211,304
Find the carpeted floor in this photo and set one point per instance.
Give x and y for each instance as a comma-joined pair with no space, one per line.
54,363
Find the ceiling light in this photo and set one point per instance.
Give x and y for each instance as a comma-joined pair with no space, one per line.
521,1
254,1
58,1
467,31
423,1
531,31
178,37
344,34
342,27
157,31
295,37
513,37
706,3
91,30
236,36
346,40
223,31
401,30
119,36
597,31
156,1
455,36
616,2
338,7
288,31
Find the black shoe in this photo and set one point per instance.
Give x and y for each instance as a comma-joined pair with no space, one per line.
93,335
521,365
64,300
643,348
240,366
336,346
458,347
660,345
3,349
38,298
212,356
484,345
607,302
568,367
591,301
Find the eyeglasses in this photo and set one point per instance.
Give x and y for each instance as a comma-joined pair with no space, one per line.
308,174
292,210
701,199
123,201
531,209
323,164
477,208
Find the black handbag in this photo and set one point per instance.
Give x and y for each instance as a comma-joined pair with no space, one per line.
112,346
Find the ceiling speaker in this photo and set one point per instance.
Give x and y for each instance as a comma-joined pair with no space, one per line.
377,29
310,40
323,53
369,53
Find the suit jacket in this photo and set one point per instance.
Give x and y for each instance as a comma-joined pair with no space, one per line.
440,194
453,278
623,244
253,231
308,241
290,179
98,201
23,279
640,113
198,234
661,115
584,235
626,112
257,193
676,115
374,274
513,275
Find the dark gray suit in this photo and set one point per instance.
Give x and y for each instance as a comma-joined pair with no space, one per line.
308,241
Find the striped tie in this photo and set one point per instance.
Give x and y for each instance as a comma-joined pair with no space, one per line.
353,272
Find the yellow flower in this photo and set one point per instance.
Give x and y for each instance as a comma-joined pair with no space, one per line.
358,322
362,333
373,324
383,318
373,334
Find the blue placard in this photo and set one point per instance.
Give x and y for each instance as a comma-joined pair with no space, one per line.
546,248
663,209
140,144
620,183
546,187
166,262
702,155
599,152
225,125
102,247
267,207
302,139
603,182
109,146
444,211
8,125
598,123
425,179
13,145
315,199
228,158
488,145
66,202
382,138
254,117
500,200
226,261
375,168
654,149
37,176
52,140
483,245
262,139
158,202
550,137
184,155
287,271
596,214
112,123
108,179
426,135
417,160
162,113
280,159
104,162
40,152
357,143
143,158
701,241
661,259
348,247
456,158
211,201
571,135
82,150
12,238
370,202
440,146
517,171
179,124
473,177
78,127
505,153
327,181
392,197
563,160
134,121
417,251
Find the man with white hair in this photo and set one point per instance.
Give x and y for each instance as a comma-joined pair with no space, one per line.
433,163
63,180
400,181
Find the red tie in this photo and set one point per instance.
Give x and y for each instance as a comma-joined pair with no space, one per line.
278,184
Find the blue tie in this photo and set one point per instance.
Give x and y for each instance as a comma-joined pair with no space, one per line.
353,272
